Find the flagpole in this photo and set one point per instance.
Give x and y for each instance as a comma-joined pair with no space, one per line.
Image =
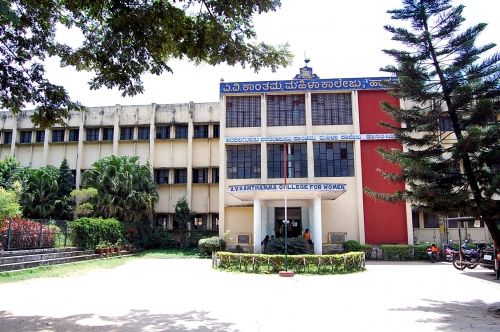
285,169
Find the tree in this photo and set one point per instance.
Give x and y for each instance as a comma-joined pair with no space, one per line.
65,203
183,216
440,71
8,168
126,190
9,204
122,40
84,201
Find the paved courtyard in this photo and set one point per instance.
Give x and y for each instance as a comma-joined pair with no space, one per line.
187,295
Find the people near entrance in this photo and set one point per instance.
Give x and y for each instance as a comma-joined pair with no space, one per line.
263,244
307,236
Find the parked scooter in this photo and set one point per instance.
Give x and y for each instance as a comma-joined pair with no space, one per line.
448,253
433,253
466,258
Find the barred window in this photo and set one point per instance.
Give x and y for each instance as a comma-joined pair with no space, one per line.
143,133
40,136
25,136
73,135
243,111
331,108
58,135
445,123
216,131
92,134
181,131
286,110
126,133
296,160
215,175
243,161
200,131
162,132
161,175
107,134
200,175
7,137
333,159
180,175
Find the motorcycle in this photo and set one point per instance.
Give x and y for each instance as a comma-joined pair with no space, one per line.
448,253
433,253
466,258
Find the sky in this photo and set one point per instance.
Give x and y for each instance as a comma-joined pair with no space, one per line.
343,39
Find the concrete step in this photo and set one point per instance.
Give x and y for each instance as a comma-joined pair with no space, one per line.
11,253
61,260
41,256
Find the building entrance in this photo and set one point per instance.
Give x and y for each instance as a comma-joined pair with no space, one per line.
294,225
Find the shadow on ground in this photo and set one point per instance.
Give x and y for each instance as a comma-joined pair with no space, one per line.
136,320
460,316
483,274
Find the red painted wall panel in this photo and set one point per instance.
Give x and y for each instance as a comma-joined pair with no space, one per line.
384,222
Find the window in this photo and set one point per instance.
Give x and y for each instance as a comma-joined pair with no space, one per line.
286,110
215,175
143,133
40,136
200,131
216,131
200,222
296,160
331,108
243,111
180,175
92,134
73,135
58,135
25,136
161,175
415,213
215,222
333,159
445,123
243,161
200,175
161,220
431,220
126,133
181,131
162,132
107,134
7,137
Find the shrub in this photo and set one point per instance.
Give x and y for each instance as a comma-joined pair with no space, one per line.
314,264
352,245
26,234
88,232
214,243
397,251
296,246
159,238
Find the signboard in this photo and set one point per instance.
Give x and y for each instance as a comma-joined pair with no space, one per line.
293,187
333,84
316,138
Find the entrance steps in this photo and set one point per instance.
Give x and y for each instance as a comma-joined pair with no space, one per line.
23,259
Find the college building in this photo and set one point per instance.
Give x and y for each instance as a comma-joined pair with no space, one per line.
301,150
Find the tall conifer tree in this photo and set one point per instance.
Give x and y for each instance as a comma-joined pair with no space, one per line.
450,114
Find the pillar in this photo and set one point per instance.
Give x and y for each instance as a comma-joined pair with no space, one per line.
257,225
317,231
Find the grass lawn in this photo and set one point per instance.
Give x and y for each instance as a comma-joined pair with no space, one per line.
95,264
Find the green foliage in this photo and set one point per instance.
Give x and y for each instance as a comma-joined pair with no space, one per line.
126,189
87,233
8,167
183,216
121,41
444,77
309,264
159,238
212,244
9,204
296,246
352,245
84,201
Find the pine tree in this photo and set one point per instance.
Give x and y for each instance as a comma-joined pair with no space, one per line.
64,203
183,216
445,79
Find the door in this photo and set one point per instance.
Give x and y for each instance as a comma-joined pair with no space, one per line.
294,225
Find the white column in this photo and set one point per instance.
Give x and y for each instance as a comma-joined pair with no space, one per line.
46,147
116,129
257,228
317,231
14,138
189,184
152,135
310,145
357,168
222,166
79,155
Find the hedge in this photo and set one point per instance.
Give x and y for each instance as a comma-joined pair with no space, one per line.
308,264
88,232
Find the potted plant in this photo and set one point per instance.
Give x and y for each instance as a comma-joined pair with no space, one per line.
102,247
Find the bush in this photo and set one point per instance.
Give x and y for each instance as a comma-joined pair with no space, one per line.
88,232
214,243
27,234
159,238
296,246
314,264
352,245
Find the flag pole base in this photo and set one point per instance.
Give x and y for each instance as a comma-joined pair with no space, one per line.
286,274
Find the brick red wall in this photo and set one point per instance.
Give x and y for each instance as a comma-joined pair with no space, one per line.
384,222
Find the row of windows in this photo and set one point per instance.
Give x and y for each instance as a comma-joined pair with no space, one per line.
179,175
431,220
289,110
93,134
330,160
199,222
